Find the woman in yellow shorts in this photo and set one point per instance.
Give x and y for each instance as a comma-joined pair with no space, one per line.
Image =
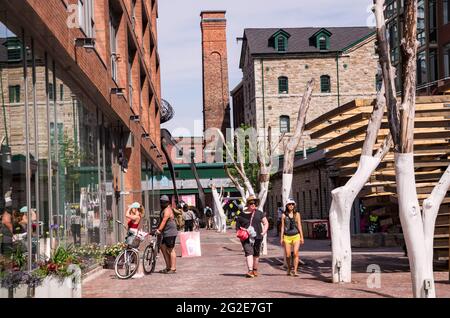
291,235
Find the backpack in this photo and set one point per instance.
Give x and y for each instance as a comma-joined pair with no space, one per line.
208,212
178,216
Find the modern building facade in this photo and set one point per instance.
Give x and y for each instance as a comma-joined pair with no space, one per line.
278,63
80,122
433,35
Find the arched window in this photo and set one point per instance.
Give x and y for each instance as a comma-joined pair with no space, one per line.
285,124
325,84
283,85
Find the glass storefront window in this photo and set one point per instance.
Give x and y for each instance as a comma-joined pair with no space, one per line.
421,37
421,68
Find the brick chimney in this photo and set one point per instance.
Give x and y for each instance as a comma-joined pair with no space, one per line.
216,107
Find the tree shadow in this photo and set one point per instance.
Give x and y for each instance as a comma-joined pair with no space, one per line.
297,294
372,292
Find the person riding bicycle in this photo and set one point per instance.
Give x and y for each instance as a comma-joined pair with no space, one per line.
168,228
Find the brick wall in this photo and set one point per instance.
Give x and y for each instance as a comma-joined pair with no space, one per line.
215,70
90,71
357,70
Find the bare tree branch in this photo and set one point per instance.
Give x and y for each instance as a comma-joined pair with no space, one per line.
388,73
374,124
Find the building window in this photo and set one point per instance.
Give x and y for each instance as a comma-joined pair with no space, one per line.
432,22
14,94
61,92
433,65
285,124
86,17
446,7
421,37
51,94
447,60
392,35
391,9
281,43
14,54
113,33
325,84
283,85
323,43
421,68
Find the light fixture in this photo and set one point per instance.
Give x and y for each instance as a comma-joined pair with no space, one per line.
87,43
153,146
159,156
117,91
135,118
146,136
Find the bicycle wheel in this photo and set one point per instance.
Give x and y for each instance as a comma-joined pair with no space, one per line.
126,264
149,259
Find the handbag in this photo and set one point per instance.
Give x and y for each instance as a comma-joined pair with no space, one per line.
243,233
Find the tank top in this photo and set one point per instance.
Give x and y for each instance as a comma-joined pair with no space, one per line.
170,229
132,225
290,228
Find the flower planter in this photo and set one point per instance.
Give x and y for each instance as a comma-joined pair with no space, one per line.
109,262
56,288
51,287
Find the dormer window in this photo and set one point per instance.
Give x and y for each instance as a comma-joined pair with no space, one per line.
279,41
323,43
281,44
321,39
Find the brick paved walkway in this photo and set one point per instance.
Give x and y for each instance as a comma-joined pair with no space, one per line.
220,272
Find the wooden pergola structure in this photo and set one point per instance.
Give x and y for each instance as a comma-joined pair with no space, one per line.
341,134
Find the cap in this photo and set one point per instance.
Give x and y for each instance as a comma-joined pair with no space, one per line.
164,198
135,205
24,209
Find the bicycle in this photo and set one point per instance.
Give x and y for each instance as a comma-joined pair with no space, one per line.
127,262
151,254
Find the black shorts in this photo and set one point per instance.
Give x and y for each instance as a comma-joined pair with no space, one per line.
252,249
169,241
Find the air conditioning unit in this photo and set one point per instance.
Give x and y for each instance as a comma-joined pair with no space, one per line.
87,43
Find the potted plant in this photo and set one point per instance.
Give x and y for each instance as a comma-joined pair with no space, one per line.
110,253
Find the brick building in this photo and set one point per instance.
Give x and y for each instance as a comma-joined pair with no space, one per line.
278,63
433,34
216,106
81,96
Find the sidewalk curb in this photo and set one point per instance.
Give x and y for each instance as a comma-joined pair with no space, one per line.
92,274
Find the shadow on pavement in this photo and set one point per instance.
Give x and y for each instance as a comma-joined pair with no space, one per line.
297,294
372,292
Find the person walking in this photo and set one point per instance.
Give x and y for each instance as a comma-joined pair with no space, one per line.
255,223
209,217
189,217
75,227
291,235
168,229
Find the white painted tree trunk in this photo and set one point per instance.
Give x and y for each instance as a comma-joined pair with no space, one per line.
430,211
411,220
221,217
340,213
287,187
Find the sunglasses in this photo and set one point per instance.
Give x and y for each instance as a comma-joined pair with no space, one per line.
251,203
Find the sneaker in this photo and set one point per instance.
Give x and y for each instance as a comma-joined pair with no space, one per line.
294,274
250,274
255,273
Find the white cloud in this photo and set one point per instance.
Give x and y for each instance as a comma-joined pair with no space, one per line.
179,37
